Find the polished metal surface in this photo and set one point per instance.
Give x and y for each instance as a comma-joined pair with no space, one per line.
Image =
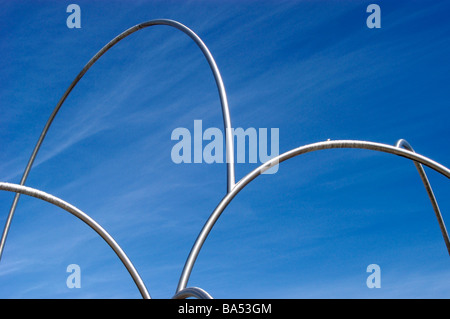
195,292
220,86
184,278
20,189
403,143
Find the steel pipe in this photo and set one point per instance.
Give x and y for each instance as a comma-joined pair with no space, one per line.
86,219
195,292
184,278
220,86
404,144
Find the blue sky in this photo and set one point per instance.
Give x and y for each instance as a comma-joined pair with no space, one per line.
312,69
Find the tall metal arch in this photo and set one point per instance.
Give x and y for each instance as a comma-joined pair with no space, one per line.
20,189
220,86
184,278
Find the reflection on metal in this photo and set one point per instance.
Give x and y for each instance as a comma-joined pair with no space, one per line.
220,87
20,189
281,158
402,148
195,292
423,176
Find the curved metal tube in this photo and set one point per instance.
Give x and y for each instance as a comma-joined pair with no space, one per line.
88,220
223,99
426,182
281,158
195,292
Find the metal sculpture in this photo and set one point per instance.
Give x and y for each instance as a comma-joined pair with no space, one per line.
402,148
20,189
123,35
283,157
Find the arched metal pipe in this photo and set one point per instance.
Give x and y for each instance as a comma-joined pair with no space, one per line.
184,278
86,219
403,143
195,292
220,86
